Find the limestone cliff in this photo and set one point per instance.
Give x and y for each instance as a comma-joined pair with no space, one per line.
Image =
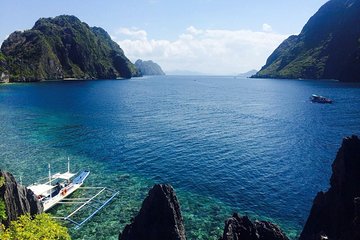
64,47
241,228
335,214
328,46
159,217
18,199
149,67
4,76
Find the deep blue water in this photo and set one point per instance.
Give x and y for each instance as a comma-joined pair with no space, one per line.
255,146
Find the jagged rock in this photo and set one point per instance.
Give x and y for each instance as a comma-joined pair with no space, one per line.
4,77
149,67
18,199
335,214
242,228
159,217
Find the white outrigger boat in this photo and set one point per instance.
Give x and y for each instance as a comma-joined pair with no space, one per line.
50,194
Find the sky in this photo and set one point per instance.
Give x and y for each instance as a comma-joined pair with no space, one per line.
218,37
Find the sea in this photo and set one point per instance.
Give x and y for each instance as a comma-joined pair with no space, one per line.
226,144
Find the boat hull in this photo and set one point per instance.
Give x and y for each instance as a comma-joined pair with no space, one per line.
65,191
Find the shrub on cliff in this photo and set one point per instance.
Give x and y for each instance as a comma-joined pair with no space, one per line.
41,227
3,215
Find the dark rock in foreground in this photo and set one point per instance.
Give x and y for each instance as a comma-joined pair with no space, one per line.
149,67
18,199
335,214
241,228
159,217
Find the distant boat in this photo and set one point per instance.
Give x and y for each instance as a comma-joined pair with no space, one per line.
320,99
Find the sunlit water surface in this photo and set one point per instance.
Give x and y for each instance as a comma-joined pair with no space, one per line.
255,146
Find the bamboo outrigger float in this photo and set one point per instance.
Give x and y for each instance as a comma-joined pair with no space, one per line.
67,183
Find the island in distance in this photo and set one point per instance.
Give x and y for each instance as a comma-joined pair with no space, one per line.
247,74
148,67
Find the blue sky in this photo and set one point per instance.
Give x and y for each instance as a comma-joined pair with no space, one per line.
209,36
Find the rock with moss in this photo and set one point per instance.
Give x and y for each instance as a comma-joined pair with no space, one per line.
328,47
64,48
4,74
149,67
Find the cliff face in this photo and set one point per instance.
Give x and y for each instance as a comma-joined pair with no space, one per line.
328,46
336,213
159,217
64,47
18,199
237,228
4,77
149,67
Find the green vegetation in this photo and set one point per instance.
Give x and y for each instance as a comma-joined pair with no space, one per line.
2,57
64,47
2,63
328,47
3,215
41,227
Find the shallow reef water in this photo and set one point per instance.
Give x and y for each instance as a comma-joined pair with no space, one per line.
254,146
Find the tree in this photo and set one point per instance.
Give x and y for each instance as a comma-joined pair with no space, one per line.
41,227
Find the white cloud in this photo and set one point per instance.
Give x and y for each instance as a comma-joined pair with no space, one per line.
194,31
211,51
133,33
266,27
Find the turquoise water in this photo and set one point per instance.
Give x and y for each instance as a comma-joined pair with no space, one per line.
255,146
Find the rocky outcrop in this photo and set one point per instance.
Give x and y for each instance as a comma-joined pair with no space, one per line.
64,48
149,67
242,228
4,76
335,214
18,199
327,47
159,217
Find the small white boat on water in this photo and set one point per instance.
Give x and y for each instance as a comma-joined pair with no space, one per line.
66,183
51,194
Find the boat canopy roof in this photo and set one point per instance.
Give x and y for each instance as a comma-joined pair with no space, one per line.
65,176
39,189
